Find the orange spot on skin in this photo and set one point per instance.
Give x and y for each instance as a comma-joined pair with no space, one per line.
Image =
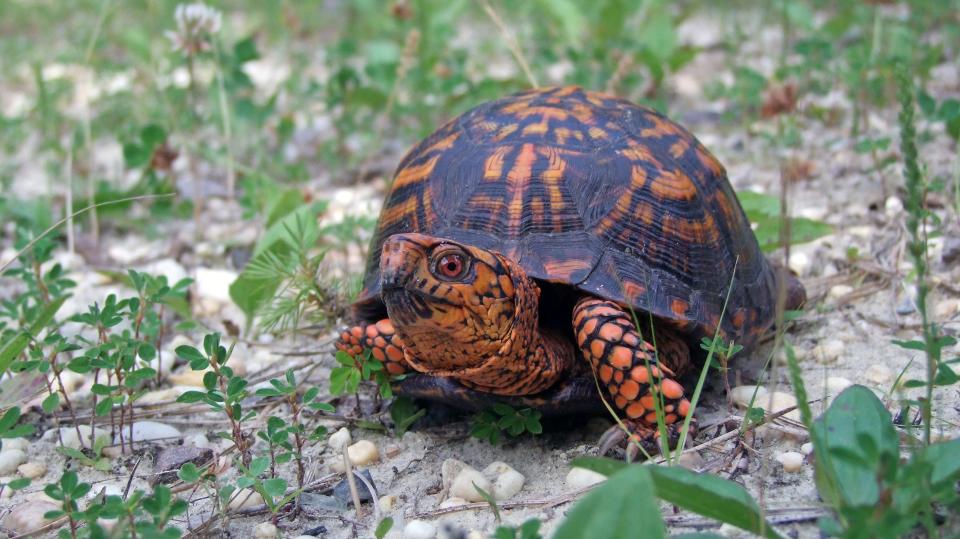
631,340
394,353
597,133
415,174
651,418
619,400
640,374
635,410
505,132
621,357
684,407
647,402
618,376
679,148
629,389
395,368
671,389
596,349
611,332
517,179
385,326
606,373
493,166
590,326
443,144
380,342
371,331
669,419
671,185
356,332
562,270
378,354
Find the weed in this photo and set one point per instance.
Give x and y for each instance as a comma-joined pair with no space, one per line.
501,418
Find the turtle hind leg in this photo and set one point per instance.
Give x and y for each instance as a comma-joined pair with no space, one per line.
382,340
634,374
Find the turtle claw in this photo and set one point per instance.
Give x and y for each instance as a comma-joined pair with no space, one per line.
643,439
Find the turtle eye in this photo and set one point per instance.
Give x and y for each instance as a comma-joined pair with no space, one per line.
450,266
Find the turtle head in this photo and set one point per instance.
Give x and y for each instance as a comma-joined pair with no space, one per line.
454,305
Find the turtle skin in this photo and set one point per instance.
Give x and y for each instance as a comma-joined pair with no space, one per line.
523,241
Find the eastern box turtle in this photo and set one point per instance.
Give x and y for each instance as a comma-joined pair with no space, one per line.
532,232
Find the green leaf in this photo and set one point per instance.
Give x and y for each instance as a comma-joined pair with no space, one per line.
50,403
710,496
191,355
245,50
152,136
490,501
568,13
259,465
188,473
624,506
275,487
383,528
856,414
15,346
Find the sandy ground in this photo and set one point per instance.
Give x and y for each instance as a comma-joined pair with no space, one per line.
857,306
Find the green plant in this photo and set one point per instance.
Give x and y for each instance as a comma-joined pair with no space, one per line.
97,461
225,390
764,211
354,369
272,489
489,425
528,530
404,413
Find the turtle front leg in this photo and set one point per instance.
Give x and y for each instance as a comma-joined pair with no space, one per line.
382,340
632,371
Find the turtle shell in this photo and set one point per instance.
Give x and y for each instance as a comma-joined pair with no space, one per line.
590,191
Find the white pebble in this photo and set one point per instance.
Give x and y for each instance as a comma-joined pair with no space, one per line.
452,502
387,503
828,351
419,529
807,448
198,440
10,459
28,516
507,485
449,471
692,460
879,375
743,395
69,436
800,263
14,443
158,396
475,534
777,401
578,478
838,291
791,461
145,431
836,384
463,485
338,440
946,308
32,470
893,206
265,530
244,499
363,452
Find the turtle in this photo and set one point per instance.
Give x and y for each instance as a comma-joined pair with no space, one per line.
558,242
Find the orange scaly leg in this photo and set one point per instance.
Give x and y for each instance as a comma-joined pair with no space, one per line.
624,364
382,340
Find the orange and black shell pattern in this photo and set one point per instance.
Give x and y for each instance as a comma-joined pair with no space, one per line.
594,192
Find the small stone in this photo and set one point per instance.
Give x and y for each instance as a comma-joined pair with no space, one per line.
946,309
146,431
879,375
449,471
244,499
692,460
14,443
777,401
171,459
388,502
800,263
836,384
951,250
214,284
905,307
475,534
791,461
32,470
828,351
265,530
159,396
69,436
10,459
807,448
743,395
578,478
28,516
419,529
452,502
338,440
197,440
463,485
392,450
893,206
363,452
838,291
507,485
342,490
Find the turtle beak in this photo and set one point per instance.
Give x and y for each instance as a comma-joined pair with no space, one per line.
399,259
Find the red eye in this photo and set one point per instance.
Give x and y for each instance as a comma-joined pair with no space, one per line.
451,265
